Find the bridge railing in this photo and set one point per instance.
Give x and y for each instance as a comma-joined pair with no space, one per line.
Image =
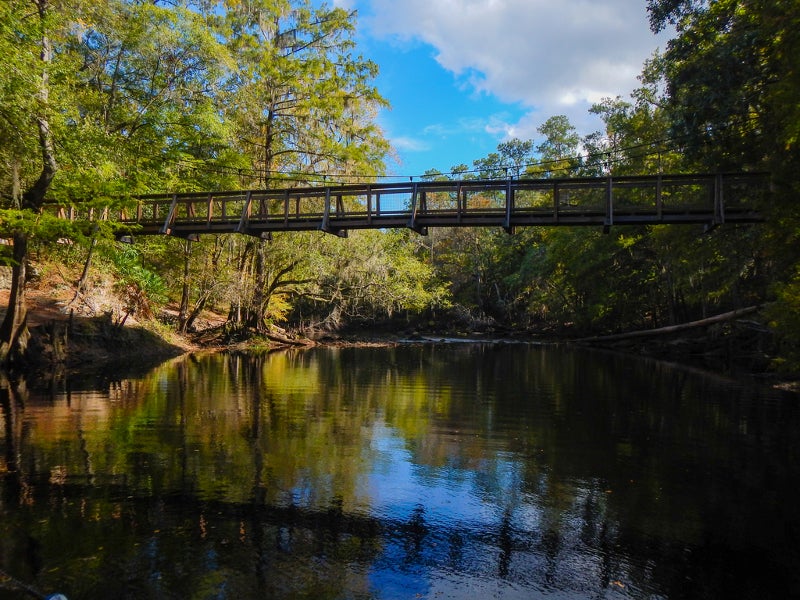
681,198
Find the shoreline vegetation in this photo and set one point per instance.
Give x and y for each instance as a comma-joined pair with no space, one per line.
67,343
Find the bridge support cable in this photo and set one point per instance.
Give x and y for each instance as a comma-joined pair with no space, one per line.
244,218
718,217
326,215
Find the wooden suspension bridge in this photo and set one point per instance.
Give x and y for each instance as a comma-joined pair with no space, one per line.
709,199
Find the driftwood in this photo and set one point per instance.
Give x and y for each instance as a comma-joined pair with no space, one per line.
282,339
643,333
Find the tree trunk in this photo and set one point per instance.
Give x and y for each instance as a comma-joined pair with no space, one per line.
16,187
85,274
198,308
258,308
14,330
643,333
14,333
236,316
183,313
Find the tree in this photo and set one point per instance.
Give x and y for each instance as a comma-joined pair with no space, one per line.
29,113
558,152
516,154
732,82
375,275
301,102
117,91
730,71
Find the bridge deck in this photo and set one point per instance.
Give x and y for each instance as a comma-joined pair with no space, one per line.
606,201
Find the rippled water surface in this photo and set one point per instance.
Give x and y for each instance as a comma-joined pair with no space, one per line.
420,471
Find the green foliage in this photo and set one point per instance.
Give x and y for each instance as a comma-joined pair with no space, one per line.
730,71
138,286
373,275
732,84
141,97
301,102
558,152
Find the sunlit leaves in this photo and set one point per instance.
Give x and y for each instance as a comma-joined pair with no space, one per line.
301,101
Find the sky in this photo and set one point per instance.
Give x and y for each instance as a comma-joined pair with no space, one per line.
463,76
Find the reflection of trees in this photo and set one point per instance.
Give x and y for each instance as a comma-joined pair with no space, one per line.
258,464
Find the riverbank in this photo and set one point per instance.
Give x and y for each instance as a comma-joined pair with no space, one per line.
69,339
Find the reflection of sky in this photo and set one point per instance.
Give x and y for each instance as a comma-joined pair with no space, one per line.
466,532
397,485
443,503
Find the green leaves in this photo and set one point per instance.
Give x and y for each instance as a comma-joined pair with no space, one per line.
300,101
138,286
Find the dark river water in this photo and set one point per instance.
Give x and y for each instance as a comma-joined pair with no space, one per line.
420,471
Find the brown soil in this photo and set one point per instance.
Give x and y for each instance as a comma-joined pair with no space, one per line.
86,337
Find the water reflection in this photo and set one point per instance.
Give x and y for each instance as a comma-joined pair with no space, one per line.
419,471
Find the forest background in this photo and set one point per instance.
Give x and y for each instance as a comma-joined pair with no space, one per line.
103,100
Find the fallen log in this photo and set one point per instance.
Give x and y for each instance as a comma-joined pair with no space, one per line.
282,339
643,333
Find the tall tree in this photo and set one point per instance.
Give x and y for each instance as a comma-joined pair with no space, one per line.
558,152
28,114
301,101
731,74
117,91
732,86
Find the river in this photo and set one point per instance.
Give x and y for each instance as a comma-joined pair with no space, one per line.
417,471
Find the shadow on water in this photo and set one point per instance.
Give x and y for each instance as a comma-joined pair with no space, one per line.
418,471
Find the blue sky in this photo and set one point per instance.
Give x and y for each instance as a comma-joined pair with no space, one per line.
463,76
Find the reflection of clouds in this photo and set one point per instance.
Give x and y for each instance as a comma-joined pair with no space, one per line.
465,471
473,493
494,523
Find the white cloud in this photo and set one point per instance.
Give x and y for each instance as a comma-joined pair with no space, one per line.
460,126
409,144
552,56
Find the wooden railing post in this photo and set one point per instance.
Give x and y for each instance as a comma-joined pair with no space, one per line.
326,213
556,200
369,204
461,205
659,199
412,221
509,206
